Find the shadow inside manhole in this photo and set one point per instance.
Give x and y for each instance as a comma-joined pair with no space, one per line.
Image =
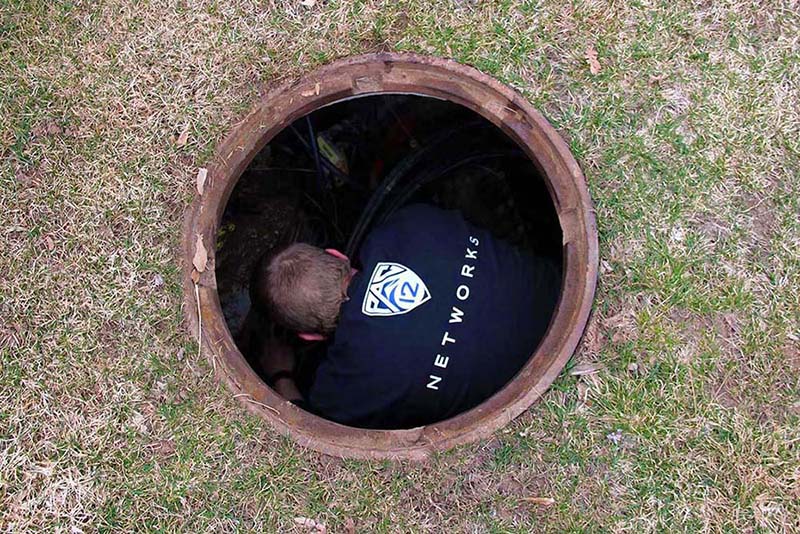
332,176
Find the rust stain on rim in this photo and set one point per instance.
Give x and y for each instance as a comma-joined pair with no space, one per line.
405,74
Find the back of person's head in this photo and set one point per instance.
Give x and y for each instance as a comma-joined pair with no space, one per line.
302,288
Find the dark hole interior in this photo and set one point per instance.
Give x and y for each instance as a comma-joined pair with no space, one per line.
332,176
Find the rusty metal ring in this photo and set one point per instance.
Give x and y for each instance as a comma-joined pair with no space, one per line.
405,74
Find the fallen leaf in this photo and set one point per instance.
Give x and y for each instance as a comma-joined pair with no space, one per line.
311,525
308,3
591,57
48,242
585,369
541,501
593,338
202,174
583,391
183,137
624,325
200,255
164,447
312,92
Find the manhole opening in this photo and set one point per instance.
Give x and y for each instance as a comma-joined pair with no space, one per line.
376,155
376,117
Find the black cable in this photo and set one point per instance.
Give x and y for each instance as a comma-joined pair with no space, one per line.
315,150
324,161
401,170
436,173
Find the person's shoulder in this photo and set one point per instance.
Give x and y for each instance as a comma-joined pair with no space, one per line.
422,212
418,218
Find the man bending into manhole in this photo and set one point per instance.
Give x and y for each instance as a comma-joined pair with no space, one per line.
438,317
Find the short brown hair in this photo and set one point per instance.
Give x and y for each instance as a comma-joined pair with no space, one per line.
303,287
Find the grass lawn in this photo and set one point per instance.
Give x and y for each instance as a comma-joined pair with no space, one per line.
689,136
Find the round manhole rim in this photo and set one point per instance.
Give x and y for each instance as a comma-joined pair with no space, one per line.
398,73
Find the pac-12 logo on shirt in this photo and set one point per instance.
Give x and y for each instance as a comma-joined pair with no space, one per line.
393,289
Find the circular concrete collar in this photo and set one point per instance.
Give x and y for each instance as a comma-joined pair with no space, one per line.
405,74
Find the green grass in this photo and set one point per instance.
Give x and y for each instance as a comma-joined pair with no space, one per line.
690,141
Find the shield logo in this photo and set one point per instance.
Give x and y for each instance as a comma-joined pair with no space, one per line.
393,289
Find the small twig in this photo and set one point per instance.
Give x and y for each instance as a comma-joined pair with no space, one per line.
200,324
414,142
249,398
543,501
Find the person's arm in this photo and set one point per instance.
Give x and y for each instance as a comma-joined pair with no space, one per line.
277,360
287,388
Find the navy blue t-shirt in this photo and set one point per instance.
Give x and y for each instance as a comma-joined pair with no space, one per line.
441,316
